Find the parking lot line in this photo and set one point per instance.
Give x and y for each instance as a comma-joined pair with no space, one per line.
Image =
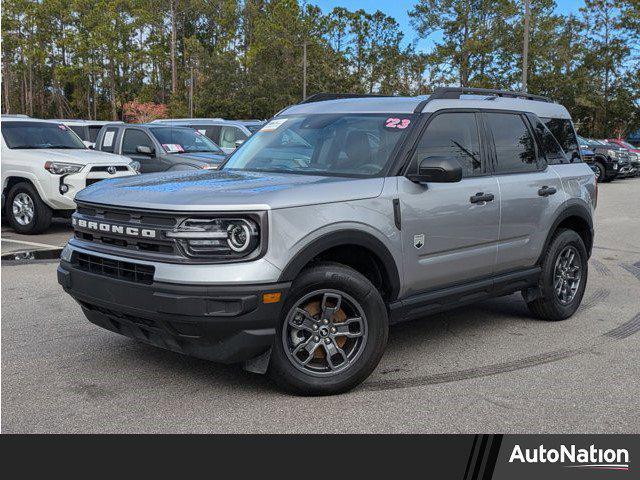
34,244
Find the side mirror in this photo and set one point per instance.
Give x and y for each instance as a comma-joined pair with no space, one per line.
89,144
239,142
145,150
437,169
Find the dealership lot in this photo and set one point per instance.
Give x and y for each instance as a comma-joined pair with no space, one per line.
488,367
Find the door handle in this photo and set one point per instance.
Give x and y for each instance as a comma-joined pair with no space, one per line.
481,197
546,191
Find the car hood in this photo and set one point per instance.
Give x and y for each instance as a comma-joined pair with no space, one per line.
78,156
211,190
205,157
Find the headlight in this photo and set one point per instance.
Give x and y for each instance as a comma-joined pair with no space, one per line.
61,168
218,237
135,165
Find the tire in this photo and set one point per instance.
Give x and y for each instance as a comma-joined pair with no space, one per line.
549,306
602,173
35,216
314,289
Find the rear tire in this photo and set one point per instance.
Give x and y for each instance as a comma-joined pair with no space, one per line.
26,211
357,325
560,293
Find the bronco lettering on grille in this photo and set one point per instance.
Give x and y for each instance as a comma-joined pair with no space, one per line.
110,228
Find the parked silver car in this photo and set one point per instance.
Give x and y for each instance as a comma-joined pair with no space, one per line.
335,220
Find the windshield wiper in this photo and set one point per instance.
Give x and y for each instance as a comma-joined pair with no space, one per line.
64,147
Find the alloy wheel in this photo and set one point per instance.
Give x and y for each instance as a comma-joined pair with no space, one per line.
567,274
324,332
23,208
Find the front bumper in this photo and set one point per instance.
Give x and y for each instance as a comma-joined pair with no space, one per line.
225,324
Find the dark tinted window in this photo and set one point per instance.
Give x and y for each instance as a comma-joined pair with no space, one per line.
29,135
452,135
79,131
133,138
515,148
109,140
211,131
551,149
563,130
93,132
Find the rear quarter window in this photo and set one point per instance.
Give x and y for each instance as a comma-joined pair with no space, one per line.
562,129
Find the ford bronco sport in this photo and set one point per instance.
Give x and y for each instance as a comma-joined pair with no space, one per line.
338,218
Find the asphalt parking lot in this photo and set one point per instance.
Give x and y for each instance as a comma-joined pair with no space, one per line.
488,368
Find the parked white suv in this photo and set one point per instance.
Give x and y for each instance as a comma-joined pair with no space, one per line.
44,165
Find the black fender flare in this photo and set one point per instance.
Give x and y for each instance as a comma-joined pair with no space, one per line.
344,237
574,210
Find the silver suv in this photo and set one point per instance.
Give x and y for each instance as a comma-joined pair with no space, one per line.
338,218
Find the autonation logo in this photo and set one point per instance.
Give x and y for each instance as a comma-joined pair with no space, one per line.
573,457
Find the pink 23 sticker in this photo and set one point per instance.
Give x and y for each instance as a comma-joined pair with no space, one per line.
397,123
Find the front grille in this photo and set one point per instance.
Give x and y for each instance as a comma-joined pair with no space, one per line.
128,216
132,272
119,168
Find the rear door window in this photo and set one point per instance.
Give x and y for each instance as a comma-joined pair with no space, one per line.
514,145
453,135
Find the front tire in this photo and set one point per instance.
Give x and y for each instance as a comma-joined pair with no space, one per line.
602,173
26,211
332,332
563,278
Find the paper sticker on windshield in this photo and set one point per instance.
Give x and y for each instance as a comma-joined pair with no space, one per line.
172,147
273,125
397,123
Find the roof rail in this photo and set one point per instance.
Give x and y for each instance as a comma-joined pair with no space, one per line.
321,97
456,92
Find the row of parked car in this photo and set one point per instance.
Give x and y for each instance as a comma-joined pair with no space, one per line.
610,158
46,162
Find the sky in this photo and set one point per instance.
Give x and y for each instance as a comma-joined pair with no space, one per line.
399,9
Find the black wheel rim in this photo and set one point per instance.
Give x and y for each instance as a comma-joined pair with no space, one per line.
324,333
567,274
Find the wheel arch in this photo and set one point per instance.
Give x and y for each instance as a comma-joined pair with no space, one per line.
573,217
359,250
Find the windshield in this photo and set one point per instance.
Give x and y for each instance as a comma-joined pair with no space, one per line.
254,128
324,144
30,135
183,140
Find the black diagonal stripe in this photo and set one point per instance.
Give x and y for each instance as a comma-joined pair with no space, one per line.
480,457
493,457
470,460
